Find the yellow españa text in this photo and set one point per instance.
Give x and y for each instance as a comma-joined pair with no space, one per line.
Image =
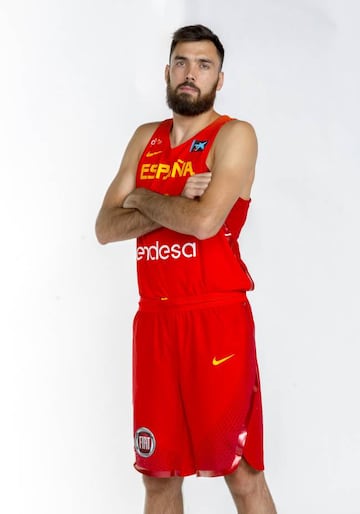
164,171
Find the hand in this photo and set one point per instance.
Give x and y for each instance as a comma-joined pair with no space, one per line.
196,185
129,200
134,199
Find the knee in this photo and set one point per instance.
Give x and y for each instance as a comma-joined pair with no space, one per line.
162,486
245,481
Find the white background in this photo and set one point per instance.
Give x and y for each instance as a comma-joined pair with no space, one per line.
77,77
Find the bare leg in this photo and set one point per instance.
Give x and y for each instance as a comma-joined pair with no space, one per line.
250,491
163,495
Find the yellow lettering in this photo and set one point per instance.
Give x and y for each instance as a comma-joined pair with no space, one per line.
163,169
177,169
145,172
153,170
188,169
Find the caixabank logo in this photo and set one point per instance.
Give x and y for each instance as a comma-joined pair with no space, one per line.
198,146
145,442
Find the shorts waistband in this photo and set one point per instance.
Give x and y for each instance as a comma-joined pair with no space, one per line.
151,304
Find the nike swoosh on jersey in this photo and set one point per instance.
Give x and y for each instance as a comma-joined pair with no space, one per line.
217,362
150,154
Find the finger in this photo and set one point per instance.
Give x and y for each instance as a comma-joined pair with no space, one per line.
198,180
201,176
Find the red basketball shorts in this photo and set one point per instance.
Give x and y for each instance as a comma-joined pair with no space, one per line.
196,390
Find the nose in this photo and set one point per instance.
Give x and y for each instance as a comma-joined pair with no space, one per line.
190,74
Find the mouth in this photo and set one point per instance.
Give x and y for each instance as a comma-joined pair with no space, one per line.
188,88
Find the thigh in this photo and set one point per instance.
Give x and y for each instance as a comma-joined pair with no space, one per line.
221,386
160,431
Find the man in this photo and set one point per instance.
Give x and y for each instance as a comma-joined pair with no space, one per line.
183,190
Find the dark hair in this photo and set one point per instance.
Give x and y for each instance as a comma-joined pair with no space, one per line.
197,33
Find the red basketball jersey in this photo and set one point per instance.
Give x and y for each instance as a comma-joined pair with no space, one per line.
171,264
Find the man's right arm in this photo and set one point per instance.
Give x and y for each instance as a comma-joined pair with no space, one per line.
114,223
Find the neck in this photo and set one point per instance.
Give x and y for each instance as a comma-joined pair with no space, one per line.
184,127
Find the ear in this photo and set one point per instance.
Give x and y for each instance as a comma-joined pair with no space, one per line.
220,81
167,72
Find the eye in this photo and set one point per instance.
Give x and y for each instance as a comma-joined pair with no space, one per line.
204,65
179,63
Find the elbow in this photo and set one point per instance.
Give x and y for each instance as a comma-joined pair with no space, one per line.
205,234
101,234
206,228
101,239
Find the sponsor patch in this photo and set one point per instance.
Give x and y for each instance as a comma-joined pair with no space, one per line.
145,442
198,146
163,252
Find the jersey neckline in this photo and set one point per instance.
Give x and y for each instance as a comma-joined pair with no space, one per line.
169,123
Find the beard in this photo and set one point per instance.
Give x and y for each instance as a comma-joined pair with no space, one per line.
187,105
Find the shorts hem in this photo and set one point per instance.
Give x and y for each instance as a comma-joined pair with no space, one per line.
163,473
201,473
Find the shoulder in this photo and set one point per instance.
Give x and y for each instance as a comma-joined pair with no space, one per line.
140,139
146,130
236,138
237,130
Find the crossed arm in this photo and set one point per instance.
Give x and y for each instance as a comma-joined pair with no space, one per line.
202,208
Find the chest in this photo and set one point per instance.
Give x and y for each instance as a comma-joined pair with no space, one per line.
165,170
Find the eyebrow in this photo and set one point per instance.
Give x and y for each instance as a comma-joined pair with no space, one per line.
201,59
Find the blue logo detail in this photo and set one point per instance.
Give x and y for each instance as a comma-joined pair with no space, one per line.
198,146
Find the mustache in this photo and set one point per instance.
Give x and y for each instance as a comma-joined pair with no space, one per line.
188,84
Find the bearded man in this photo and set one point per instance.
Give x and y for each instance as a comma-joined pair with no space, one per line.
183,191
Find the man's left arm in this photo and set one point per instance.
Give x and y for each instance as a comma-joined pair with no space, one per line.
233,167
